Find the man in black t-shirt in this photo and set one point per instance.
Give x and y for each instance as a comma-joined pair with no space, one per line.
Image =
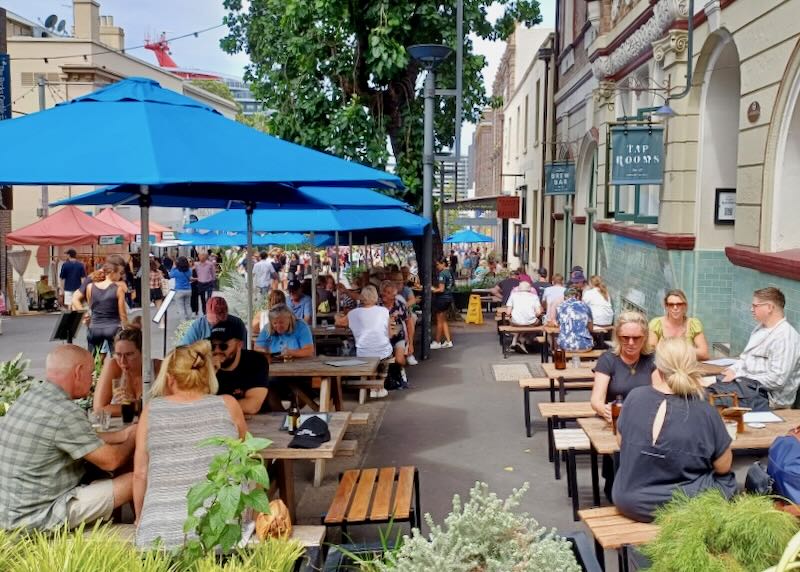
503,289
241,373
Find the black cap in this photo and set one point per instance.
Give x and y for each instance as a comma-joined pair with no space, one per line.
227,330
311,434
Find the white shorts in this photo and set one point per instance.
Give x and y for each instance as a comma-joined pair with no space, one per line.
68,298
92,502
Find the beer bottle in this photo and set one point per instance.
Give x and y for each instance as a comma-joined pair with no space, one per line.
294,417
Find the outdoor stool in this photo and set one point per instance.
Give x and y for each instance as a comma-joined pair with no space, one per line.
531,384
557,414
613,531
374,496
571,442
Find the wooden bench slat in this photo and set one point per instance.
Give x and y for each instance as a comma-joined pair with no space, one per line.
405,485
635,538
341,499
357,418
347,448
567,410
613,530
308,536
521,329
591,513
383,494
358,510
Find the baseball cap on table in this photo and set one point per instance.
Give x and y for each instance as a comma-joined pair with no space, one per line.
227,330
311,434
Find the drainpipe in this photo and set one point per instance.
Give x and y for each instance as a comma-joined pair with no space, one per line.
544,160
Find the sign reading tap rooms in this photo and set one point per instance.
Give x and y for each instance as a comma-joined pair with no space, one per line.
637,155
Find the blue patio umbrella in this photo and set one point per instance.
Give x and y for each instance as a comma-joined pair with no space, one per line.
467,235
239,239
135,132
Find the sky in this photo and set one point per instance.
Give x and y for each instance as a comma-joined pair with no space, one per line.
177,17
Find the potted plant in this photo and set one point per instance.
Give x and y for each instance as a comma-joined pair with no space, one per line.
710,533
482,534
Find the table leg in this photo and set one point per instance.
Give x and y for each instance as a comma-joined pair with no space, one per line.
551,442
562,390
285,478
595,478
324,394
319,472
526,404
338,398
572,469
552,390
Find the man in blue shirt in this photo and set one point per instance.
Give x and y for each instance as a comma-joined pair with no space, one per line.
298,302
71,275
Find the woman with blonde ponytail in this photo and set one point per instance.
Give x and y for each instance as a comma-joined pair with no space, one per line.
169,457
670,437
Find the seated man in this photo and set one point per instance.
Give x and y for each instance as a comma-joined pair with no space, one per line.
298,302
502,290
45,438
241,373
769,366
216,311
525,310
46,293
574,319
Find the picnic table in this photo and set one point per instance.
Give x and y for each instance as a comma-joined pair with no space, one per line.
268,426
320,371
331,331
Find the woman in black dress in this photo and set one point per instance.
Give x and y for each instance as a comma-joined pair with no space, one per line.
670,437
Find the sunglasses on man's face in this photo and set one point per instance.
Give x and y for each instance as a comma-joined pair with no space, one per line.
223,346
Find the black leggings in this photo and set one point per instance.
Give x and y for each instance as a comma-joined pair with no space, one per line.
99,334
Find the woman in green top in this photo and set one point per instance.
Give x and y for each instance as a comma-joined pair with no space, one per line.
676,324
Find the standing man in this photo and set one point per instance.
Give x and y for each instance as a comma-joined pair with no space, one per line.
44,440
453,262
71,275
263,272
206,277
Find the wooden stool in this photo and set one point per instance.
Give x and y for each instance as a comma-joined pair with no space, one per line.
613,531
571,442
531,384
390,490
557,414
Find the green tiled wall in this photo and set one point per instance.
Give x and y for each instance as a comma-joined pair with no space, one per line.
719,293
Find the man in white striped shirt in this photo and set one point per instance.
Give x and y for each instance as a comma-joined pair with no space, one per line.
772,355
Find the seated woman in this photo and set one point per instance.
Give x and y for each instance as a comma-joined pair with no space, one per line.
288,337
670,437
676,324
126,366
599,302
169,457
574,319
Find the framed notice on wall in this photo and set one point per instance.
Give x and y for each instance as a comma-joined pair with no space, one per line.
725,206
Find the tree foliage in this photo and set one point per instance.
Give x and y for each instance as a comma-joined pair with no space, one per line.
338,78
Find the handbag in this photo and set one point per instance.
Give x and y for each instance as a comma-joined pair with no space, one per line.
750,393
394,377
758,480
784,465
275,524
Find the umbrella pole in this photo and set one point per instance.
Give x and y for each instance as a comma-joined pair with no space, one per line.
338,264
147,373
313,283
367,255
249,323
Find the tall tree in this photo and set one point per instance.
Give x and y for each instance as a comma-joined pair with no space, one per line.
336,75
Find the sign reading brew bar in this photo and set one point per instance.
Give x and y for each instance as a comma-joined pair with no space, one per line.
560,178
637,155
507,207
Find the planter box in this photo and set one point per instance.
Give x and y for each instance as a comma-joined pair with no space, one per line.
461,300
338,561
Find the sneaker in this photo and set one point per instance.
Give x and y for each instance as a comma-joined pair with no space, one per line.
436,346
378,393
447,344
411,360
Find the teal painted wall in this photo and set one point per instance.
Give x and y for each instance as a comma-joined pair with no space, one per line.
719,293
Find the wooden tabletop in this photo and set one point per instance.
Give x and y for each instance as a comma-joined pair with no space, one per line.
605,442
583,372
567,410
268,426
316,367
330,331
595,329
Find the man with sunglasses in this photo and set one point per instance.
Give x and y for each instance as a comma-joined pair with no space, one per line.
767,373
241,373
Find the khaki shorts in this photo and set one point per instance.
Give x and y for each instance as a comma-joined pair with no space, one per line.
68,298
92,502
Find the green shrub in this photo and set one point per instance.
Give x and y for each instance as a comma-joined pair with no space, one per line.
13,381
484,534
708,533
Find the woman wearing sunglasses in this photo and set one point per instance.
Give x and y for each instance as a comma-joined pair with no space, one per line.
676,324
628,365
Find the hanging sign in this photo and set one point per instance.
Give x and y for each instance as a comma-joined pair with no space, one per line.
5,87
637,155
168,235
560,178
507,207
108,240
138,239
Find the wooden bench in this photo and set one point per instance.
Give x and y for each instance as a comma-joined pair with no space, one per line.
507,332
556,414
363,385
530,384
373,496
613,531
347,448
358,418
571,442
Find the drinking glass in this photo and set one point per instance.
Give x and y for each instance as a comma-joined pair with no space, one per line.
576,362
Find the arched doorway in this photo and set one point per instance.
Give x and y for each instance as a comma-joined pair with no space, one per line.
583,234
785,198
719,139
